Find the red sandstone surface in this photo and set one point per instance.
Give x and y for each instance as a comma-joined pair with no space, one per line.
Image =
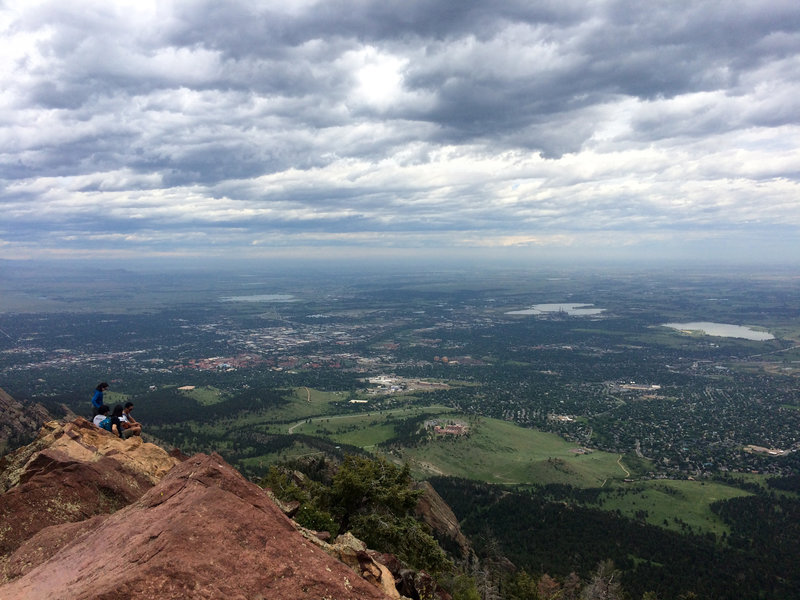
198,530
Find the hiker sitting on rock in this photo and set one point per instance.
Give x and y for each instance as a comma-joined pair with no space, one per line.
112,422
102,413
130,426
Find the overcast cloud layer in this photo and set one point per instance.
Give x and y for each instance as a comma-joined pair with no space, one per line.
258,128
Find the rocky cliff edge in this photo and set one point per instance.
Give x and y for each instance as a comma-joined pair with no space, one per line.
85,515
19,423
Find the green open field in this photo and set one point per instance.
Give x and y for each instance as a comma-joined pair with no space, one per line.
296,450
785,331
667,499
205,395
502,452
495,451
364,429
304,402
111,398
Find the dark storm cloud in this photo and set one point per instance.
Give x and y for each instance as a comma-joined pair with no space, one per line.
633,49
240,29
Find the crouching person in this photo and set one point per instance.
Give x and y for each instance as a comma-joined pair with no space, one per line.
130,426
102,414
110,422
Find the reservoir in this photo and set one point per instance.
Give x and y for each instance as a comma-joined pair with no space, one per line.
723,330
572,309
260,298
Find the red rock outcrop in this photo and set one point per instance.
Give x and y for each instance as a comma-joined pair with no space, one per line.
353,552
84,443
71,472
202,531
437,514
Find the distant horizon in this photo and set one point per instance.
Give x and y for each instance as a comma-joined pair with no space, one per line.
371,265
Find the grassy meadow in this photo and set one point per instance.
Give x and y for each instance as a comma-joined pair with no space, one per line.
205,395
362,429
297,450
497,451
666,500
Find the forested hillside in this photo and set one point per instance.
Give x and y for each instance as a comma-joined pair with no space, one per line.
541,533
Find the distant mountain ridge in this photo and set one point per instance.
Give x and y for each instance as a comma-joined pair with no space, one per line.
87,515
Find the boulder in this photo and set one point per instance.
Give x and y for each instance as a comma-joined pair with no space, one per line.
353,552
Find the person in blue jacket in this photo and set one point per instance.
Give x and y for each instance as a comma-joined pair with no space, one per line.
97,399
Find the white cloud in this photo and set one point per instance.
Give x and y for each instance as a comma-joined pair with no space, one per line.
184,125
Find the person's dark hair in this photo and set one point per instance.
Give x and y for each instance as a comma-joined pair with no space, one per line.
117,412
101,386
129,405
103,410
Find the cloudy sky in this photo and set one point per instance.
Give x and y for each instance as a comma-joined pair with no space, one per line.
342,128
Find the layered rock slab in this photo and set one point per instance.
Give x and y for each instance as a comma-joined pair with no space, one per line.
82,442
71,472
202,532
438,515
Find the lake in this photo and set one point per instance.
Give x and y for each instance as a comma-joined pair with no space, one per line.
261,298
572,309
723,330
